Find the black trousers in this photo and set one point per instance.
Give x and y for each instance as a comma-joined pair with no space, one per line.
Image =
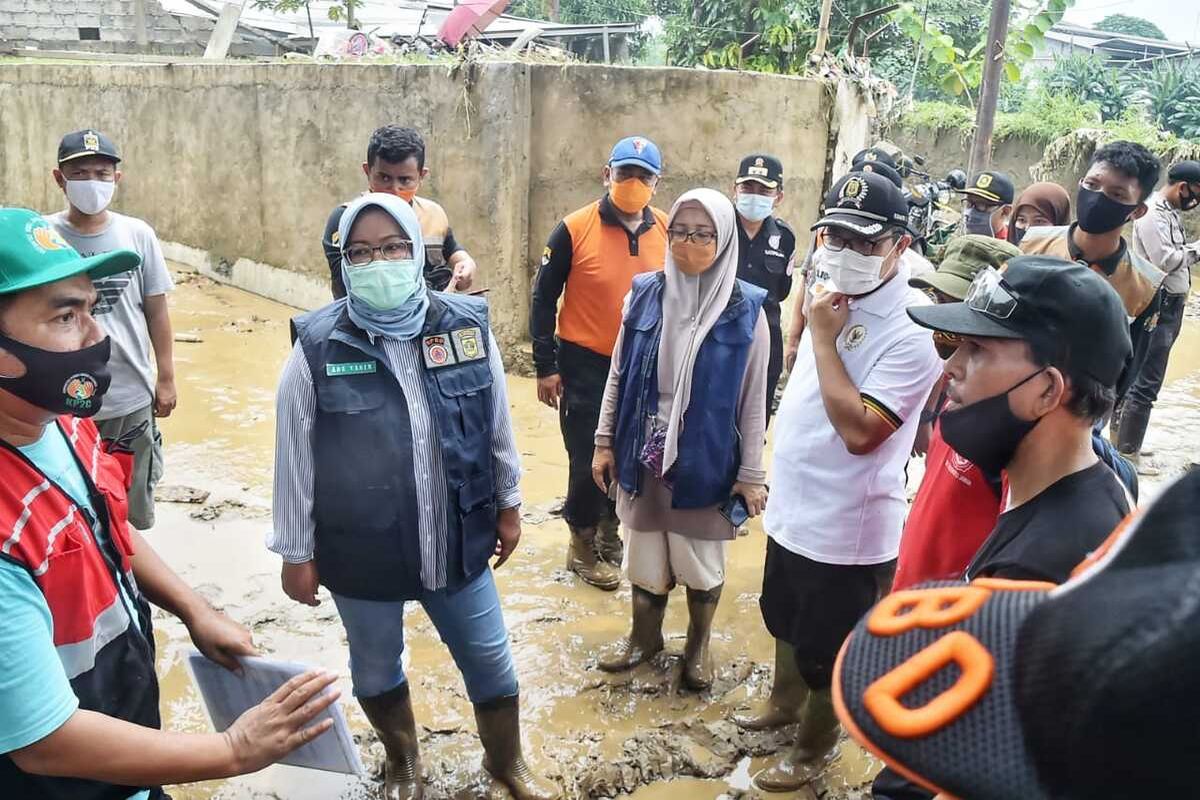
774,367
1154,369
584,374
891,785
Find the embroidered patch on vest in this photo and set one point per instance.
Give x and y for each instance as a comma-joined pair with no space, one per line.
350,368
437,351
468,344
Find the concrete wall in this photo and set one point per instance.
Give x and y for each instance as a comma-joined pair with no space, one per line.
241,164
946,150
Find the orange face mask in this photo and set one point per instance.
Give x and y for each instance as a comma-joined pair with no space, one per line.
630,195
692,258
406,195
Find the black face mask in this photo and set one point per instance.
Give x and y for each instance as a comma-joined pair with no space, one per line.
1191,202
1017,235
987,432
1098,213
63,383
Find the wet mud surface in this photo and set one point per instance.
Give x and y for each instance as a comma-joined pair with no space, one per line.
637,735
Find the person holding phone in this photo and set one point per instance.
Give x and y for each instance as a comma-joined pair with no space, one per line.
682,425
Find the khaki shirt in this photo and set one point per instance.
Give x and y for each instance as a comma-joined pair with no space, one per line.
1158,237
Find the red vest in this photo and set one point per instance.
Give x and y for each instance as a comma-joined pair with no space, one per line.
954,511
108,657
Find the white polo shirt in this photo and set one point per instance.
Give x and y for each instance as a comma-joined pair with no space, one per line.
827,504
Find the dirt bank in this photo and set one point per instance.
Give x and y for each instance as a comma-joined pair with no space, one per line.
599,735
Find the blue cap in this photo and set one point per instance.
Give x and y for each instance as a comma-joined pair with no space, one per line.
638,151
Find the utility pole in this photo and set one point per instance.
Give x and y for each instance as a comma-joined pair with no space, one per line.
993,66
823,28
552,10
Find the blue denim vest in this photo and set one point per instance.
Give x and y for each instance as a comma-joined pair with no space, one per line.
709,444
365,500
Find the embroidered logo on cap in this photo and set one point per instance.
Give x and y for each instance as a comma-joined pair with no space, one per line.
983,181
43,237
91,141
854,192
639,145
869,156
437,351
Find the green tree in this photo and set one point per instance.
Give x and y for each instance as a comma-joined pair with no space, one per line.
337,12
1133,26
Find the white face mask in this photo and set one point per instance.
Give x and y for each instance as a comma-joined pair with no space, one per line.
847,271
91,197
755,207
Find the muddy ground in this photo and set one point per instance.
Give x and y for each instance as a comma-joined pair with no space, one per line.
635,736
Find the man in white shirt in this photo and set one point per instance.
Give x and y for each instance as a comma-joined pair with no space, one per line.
846,427
1158,237
132,308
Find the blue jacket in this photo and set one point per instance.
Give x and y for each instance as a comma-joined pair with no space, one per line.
709,444
365,501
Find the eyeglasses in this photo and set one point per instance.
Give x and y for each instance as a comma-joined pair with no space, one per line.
360,254
701,237
990,295
835,243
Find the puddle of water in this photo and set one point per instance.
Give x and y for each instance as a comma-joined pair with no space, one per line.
576,720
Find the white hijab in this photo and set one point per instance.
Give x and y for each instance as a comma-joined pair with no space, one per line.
691,306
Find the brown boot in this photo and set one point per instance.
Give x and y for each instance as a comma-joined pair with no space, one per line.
805,760
583,560
645,638
788,693
697,657
500,731
608,539
391,715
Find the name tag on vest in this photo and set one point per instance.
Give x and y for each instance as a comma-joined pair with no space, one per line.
349,368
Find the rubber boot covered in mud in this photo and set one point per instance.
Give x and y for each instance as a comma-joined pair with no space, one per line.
391,716
645,638
584,560
608,539
1114,425
788,693
805,760
500,731
1135,419
697,655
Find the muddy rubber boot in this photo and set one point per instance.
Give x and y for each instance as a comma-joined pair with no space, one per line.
806,759
645,638
697,656
583,560
788,693
1114,425
499,724
1135,419
608,539
391,716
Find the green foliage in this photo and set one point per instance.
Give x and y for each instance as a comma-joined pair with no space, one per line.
581,12
1133,26
1046,115
938,116
337,12
1089,79
1170,94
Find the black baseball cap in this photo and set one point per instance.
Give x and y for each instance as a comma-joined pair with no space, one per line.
761,168
86,143
880,168
1061,305
864,202
1188,171
995,187
1001,689
874,155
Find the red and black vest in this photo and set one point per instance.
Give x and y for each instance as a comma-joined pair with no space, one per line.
108,657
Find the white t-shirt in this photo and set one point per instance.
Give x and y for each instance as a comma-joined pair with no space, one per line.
827,504
121,309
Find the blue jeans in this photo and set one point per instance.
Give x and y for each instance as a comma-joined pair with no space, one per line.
469,622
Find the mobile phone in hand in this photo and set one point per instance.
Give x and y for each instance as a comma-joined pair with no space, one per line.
734,509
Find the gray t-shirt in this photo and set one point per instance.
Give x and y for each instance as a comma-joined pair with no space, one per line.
120,306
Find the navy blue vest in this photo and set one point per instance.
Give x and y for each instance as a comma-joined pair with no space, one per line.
365,499
709,444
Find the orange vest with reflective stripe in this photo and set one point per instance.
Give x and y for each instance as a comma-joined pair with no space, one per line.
602,270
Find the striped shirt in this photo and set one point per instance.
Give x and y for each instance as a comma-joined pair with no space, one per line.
293,536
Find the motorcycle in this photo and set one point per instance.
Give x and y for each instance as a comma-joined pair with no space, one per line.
933,211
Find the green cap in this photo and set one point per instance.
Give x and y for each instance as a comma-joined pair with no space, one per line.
962,258
33,253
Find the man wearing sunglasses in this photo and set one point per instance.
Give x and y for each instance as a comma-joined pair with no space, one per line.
846,426
1041,347
1159,238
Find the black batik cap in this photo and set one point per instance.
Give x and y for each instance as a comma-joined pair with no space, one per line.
84,143
762,168
864,203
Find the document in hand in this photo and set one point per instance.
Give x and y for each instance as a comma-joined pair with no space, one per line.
227,696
